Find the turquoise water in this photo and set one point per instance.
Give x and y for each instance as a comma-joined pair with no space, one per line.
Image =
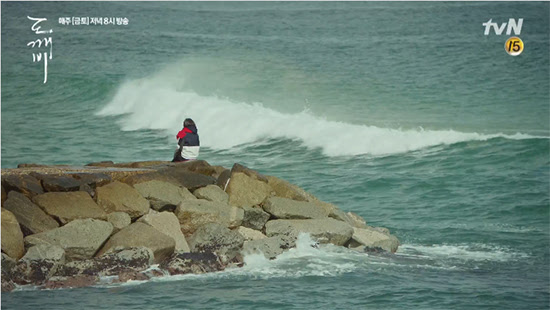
405,113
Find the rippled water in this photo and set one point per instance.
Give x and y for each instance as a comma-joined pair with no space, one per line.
404,113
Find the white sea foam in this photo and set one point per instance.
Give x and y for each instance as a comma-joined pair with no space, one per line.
159,102
465,252
306,259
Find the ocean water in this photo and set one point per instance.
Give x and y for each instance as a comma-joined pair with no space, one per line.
405,113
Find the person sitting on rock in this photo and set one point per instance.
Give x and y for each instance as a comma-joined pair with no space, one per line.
188,142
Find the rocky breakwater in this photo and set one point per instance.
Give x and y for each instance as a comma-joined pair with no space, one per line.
66,226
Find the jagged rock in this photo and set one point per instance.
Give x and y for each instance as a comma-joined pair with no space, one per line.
192,165
113,263
7,284
255,218
182,263
39,264
32,219
141,235
326,230
200,167
338,214
120,197
213,171
69,206
105,163
71,282
8,265
246,191
163,193
187,179
212,193
57,183
270,247
373,238
213,237
45,252
146,164
80,238
284,208
355,220
249,172
285,189
383,230
4,196
161,206
88,189
223,179
22,183
250,234
30,165
93,180
194,213
150,176
119,220
12,237
168,224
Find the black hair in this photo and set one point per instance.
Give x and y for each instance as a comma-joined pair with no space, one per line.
188,122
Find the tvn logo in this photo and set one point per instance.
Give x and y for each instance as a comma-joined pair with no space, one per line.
512,24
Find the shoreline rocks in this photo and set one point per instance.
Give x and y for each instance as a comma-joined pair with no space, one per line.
65,226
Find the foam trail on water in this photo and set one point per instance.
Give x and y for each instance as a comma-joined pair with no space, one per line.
465,252
158,102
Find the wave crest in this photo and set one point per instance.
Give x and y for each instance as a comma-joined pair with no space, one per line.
159,102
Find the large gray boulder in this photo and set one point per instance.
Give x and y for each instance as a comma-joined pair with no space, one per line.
249,172
23,183
285,208
32,219
163,194
120,197
326,230
168,224
285,189
93,180
250,234
69,206
12,237
39,264
212,193
114,263
57,183
255,217
355,220
119,220
194,213
197,263
246,191
8,264
374,237
141,235
270,247
80,238
186,178
218,239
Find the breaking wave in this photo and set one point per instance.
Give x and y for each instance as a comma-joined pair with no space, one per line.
159,102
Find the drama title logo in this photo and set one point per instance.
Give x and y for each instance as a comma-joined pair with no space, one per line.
40,44
514,45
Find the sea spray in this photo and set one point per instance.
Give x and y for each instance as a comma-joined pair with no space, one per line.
158,102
